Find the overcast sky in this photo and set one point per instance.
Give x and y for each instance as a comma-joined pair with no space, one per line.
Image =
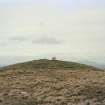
45,28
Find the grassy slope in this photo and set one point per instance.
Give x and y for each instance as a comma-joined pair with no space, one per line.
28,84
49,64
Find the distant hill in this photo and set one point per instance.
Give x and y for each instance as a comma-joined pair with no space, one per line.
51,82
49,64
1,66
93,63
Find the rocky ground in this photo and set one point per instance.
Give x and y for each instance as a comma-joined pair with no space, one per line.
52,87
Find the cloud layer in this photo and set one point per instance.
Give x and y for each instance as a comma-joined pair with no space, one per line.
79,31
46,40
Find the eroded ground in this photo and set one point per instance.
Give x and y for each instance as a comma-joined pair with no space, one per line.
52,87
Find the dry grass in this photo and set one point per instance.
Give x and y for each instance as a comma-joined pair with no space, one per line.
52,87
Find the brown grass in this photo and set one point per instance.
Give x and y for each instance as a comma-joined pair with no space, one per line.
52,87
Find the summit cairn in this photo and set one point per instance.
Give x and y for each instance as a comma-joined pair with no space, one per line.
53,58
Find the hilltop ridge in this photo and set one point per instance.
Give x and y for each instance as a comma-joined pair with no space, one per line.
49,64
51,82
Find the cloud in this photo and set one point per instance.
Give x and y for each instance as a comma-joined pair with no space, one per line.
18,38
83,31
3,44
46,40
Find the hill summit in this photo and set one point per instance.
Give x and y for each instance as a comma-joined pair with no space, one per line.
49,64
51,82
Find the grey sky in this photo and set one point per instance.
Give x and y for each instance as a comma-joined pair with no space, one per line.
46,40
38,28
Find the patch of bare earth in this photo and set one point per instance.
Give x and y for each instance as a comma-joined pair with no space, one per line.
52,87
